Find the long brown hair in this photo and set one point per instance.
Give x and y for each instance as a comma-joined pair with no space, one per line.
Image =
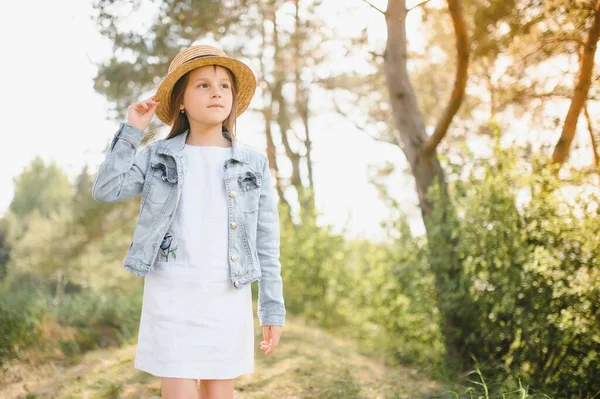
182,123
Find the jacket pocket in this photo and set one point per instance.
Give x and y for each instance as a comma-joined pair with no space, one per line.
162,180
249,184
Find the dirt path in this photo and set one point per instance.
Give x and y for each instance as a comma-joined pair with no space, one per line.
309,363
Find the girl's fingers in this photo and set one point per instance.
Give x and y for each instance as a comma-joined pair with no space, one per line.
146,103
142,108
151,105
266,333
267,348
268,345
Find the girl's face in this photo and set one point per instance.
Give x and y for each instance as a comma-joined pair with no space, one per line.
208,86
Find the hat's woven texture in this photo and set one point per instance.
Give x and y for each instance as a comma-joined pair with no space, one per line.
194,57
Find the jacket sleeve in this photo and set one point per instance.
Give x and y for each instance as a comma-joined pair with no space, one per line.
271,306
122,173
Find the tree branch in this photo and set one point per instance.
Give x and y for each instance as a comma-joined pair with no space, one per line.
418,5
592,137
376,55
460,81
584,77
376,8
360,127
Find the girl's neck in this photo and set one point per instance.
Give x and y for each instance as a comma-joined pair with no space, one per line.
207,135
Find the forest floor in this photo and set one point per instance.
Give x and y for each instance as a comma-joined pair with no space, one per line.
309,363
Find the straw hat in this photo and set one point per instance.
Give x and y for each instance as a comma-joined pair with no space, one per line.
197,56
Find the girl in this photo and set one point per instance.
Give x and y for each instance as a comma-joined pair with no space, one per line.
208,227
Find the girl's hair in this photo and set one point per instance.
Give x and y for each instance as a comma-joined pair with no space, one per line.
181,120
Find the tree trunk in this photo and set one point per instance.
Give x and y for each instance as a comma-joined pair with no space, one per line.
307,200
268,115
420,151
284,120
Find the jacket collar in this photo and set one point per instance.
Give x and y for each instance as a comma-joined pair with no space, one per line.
175,145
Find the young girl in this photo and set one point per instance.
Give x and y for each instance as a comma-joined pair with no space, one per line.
208,227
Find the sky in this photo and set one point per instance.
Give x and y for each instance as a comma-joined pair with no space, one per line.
52,111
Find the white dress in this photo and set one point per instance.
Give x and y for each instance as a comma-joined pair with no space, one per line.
194,323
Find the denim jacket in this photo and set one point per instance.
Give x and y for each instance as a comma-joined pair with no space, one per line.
156,172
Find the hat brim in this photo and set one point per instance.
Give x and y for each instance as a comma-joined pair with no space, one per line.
245,82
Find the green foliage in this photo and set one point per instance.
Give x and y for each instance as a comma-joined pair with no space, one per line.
80,243
59,249
9,227
42,187
98,317
394,313
381,294
313,267
101,315
529,248
20,314
480,386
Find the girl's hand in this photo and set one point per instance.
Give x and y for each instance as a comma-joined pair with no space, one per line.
139,114
271,335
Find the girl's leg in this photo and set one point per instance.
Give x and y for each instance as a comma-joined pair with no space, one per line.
216,389
179,388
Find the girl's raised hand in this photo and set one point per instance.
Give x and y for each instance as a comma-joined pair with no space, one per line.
139,114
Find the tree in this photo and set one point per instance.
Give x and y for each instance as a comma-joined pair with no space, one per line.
408,132
42,187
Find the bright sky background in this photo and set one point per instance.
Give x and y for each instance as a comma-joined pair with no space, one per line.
51,109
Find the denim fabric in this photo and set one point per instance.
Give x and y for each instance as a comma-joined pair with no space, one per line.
156,172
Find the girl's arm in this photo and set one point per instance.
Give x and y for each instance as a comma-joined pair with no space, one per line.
271,306
122,173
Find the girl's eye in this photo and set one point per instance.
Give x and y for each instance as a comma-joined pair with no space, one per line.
204,84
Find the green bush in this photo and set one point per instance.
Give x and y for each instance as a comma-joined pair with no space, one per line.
20,313
313,268
530,276
101,316
382,294
394,310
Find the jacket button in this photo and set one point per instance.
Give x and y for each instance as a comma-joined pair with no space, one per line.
233,225
234,257
232,194
236,284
